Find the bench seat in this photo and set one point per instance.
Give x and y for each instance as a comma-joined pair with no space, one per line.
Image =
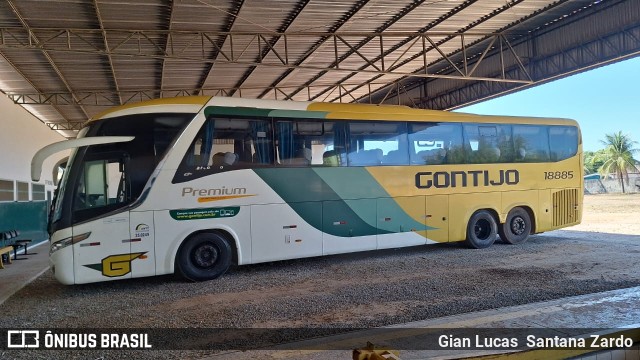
5,250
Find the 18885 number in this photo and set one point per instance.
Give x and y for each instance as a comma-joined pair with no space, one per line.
558,175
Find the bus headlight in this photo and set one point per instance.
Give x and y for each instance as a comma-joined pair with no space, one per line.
58,245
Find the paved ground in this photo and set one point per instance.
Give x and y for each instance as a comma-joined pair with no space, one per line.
566,317
24,270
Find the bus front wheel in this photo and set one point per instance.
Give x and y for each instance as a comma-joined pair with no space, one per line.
204,256
482,230
517,227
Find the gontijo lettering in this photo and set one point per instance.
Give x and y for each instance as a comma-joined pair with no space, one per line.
445,179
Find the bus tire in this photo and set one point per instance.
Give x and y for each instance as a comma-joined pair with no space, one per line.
517,227
482,230
204,256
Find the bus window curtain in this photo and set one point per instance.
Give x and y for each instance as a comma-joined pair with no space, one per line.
262,141
207,143
286,144
341,137
191,156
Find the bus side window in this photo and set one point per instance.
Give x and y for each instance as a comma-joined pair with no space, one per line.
563,142
488,143
310,142
297,142
377,143
224,143
531,143
435,143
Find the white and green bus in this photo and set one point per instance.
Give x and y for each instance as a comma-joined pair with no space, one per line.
196,184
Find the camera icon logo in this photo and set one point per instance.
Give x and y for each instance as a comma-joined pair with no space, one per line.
23,339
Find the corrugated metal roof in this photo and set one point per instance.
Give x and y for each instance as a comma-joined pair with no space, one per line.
67,59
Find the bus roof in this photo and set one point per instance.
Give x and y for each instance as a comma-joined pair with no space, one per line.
199,101
349,111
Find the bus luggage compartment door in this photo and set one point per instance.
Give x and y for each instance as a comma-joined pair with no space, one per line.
279,232
401,222
349,225
437,218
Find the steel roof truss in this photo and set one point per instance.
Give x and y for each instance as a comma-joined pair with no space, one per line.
235,54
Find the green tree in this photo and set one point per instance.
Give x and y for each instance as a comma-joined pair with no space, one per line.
593,161
617,156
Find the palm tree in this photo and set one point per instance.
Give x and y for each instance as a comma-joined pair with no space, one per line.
617,156
592,161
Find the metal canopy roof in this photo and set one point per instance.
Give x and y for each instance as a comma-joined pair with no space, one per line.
65,60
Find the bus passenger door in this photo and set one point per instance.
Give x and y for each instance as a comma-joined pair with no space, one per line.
101,246
437,217
142,239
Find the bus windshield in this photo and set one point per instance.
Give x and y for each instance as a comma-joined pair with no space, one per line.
104,178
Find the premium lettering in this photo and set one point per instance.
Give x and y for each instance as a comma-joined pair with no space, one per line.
188,191
445,179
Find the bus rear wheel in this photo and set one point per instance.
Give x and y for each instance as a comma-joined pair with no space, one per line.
204,256
517,227
482,230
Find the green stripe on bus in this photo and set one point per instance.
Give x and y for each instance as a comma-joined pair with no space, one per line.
357,183
299,187
257,112
349,197
236,111
298,114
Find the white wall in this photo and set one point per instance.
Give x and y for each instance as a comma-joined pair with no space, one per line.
21,135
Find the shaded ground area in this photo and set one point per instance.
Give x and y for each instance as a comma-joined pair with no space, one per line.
355,290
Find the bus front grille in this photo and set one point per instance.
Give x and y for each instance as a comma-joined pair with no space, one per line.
565,207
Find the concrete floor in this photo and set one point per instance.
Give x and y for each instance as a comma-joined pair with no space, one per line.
21,272
615,313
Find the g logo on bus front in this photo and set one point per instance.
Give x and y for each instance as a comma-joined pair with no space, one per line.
116,265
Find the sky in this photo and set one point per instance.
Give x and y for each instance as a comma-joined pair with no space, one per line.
603,100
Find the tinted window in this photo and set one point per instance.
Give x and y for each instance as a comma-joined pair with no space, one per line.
376,143
224,143
563,142
531,143
234,143
102,184
305,143
435,143
488,143
105,178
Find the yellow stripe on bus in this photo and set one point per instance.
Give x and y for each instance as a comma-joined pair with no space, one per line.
219,198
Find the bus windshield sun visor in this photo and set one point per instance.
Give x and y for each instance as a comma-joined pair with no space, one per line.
45,152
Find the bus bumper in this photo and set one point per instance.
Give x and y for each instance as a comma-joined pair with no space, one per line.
61,263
